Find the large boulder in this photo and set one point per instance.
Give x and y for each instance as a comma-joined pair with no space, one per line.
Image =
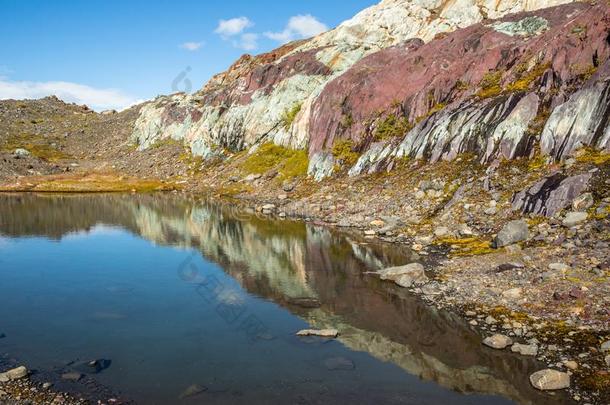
547,380
551,195
405,276
512,232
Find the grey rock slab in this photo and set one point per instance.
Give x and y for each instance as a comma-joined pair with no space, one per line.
551,195
512,232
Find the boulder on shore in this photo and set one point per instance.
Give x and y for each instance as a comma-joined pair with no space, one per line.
405,276
498,341
14,374
547,380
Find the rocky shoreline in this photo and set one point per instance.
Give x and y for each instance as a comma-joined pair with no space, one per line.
70,384
540,281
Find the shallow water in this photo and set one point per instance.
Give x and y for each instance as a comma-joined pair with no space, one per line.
177,293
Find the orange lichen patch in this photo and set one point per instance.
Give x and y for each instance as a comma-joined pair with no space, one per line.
87,183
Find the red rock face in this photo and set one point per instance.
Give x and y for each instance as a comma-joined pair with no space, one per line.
415,79
260,73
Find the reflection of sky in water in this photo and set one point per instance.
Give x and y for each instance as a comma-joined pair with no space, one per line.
97,230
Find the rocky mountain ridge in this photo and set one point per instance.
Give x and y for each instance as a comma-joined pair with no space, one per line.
279,97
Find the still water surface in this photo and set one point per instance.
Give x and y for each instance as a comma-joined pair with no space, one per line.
173,292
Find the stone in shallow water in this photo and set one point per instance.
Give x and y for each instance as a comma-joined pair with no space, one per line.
548,379
305,302
331,333
339,363
193,391
498,341
93,366
72,376
606,346
14,374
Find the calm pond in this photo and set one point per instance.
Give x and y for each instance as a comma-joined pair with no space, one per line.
182,301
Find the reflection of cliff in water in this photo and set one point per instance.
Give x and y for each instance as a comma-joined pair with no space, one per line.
284,261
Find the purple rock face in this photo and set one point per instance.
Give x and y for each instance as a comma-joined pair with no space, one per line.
416,80
551,195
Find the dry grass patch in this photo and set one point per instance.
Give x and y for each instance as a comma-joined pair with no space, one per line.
87,183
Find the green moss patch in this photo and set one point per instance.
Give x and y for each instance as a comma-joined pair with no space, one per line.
290,114
343,151
87,183
392,126
289,163
490,85
467,246
525,78
38,146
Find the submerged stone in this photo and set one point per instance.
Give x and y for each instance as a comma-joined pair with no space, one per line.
72,376
339,363
193,391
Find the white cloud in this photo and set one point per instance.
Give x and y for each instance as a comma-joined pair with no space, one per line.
299,26
232,27
98,99
191,46
248,42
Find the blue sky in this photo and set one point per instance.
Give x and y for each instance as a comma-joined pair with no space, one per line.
110,53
